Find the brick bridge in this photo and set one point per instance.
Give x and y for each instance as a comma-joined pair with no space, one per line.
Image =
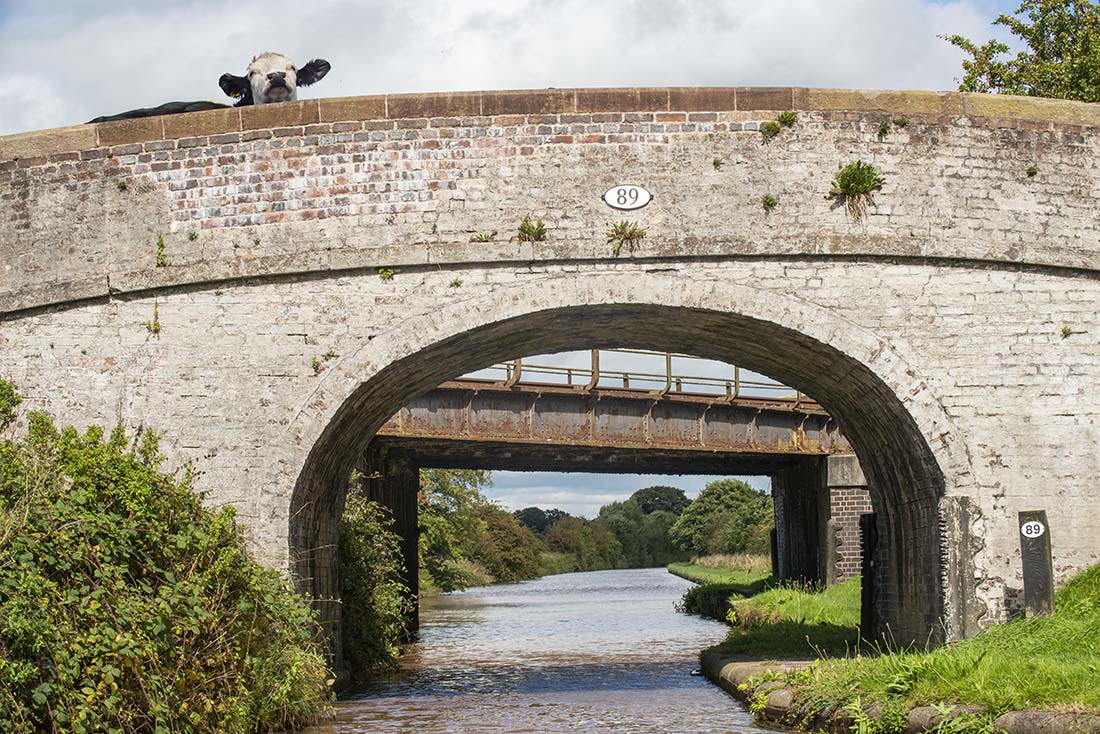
224,277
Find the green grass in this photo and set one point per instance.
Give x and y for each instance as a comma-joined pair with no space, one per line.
701,574
837,605
793,620
1039,662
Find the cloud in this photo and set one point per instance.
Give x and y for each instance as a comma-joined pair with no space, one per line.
78,60
584,494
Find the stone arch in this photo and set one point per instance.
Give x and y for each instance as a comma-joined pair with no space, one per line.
904,439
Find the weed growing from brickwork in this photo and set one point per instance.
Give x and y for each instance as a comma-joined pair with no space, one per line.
901,121
718,163
386,274
162,260
153,325
1066,332
484,237
883,130
192,236
624,233
854,186
773,127
456,283
769,202
122,186
1032,171
531,231
318,363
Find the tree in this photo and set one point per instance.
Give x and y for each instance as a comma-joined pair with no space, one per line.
508,550
728,516
660,497
1062,58
450,526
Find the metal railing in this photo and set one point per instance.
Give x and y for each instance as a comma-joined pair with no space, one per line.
669,381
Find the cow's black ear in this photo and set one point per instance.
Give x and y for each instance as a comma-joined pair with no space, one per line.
313,72
234,86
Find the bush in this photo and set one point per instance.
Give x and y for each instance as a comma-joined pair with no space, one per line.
376,602
125,606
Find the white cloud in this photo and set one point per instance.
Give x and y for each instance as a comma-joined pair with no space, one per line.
583,494
89,59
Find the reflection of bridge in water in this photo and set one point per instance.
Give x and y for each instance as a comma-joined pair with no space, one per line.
531,416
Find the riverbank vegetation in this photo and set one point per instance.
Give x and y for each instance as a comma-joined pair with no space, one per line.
373,594
466,540
126,606
794,620
1036,662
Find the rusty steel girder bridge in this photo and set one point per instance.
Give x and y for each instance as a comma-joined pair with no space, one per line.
551,418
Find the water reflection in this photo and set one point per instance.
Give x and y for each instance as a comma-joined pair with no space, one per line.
590,652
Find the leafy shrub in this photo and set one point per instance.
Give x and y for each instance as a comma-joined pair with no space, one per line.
786,119
854,186
126,606
375,600
9,401
770,129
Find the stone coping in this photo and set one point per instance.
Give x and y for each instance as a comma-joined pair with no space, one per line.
990,110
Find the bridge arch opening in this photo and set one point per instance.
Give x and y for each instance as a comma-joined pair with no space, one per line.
904,476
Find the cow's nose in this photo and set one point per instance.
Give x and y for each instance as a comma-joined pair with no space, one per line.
277,76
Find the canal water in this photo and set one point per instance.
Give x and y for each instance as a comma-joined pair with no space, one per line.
582,652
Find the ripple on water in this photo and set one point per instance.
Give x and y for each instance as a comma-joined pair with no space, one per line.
588,652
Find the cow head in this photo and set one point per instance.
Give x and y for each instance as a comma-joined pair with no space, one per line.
272,77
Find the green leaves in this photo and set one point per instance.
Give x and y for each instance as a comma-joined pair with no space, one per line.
121,600
854,186
728,516
1061,60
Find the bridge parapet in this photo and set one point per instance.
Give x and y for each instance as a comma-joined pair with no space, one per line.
415,181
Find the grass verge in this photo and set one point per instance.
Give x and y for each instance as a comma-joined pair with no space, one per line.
795,621
1040,662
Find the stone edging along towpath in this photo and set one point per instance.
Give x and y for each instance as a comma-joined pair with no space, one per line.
733,673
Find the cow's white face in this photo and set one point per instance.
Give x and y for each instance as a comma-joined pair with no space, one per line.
272,77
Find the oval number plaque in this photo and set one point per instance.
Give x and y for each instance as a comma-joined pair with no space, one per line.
627,197
1033,529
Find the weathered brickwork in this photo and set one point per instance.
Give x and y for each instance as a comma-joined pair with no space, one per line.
848,503
952,334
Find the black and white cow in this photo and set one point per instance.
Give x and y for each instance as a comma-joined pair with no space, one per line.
271,77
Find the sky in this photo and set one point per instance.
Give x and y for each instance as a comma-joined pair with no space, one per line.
66,62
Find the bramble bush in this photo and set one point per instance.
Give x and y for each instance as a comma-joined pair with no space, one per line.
126,606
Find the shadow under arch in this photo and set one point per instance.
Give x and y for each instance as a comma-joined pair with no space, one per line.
905,478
